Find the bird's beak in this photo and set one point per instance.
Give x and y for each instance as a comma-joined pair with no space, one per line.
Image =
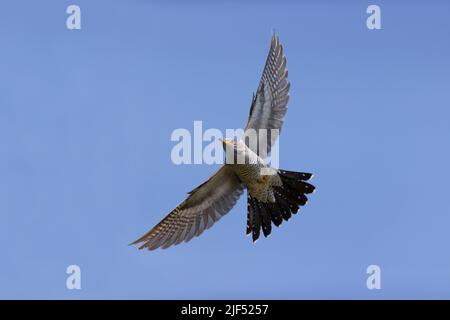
226,143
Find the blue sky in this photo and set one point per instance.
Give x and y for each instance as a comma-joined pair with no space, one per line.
85,123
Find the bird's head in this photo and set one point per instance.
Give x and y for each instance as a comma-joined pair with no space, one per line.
233,144
234,149
228,142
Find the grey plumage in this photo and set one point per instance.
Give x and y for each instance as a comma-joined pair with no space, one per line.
271,198
205,205
269,105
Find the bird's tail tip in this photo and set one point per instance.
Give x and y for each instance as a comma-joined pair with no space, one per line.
289,197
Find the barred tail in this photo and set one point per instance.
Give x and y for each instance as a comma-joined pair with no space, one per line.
288,199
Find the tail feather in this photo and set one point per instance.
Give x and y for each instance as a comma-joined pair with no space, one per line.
254,218
266,220
283,206
275,214
289,197
295,176
250,214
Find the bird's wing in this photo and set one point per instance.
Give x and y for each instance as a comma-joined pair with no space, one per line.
269,105
205,205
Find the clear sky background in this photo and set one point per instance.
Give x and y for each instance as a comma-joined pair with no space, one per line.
85,124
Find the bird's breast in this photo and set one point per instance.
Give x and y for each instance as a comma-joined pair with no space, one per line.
256,179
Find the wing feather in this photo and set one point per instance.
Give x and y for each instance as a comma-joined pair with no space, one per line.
204,206
269,105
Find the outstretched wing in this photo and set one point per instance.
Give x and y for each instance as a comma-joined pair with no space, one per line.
205,205
269,105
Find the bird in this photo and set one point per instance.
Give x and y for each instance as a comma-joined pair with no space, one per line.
273,195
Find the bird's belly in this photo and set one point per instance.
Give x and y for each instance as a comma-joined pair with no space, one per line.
256,180
248,173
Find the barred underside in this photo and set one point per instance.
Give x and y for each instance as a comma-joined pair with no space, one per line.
211,200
